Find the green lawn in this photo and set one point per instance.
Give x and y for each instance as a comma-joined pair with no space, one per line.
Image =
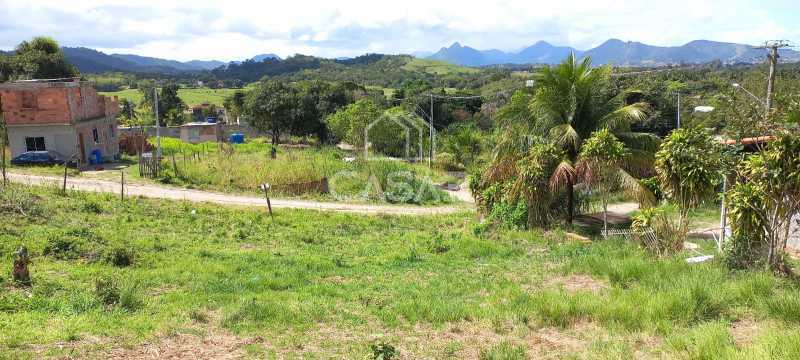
189,96
437,67
122,278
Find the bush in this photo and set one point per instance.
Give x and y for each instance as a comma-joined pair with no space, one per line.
119,256
668,237
448,162
383,351
106,291
18,199
63,247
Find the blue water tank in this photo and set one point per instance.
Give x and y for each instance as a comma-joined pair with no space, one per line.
236,138
96,158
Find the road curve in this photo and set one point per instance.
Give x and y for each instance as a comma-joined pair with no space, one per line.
174,193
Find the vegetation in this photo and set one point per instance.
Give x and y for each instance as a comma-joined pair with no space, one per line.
764,202
688,166
571,101
304,279
244,167
39,58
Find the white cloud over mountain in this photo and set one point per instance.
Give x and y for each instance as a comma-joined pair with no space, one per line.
234,29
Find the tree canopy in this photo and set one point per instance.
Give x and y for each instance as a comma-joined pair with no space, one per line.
38,58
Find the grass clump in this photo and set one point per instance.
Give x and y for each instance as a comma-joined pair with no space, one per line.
504,351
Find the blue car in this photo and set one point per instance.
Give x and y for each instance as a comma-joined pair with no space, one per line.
38,158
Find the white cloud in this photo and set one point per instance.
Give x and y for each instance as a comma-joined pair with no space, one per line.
236,29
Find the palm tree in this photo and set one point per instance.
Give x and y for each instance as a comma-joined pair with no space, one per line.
572,100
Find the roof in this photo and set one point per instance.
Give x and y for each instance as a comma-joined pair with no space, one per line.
749,141
42,83
200,123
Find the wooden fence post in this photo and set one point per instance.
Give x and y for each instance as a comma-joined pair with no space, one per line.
122,185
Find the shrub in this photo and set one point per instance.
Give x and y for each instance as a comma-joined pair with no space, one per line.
63,247
119,256
667,237
18,199
383,351
448,162
106,291
688,166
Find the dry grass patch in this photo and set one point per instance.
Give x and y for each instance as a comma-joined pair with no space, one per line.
578,282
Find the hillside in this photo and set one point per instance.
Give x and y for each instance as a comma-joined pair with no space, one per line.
90,61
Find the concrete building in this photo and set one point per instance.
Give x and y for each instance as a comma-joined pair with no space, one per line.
198,132
65,115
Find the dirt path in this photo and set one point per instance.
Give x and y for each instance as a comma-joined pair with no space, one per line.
623,208
173,193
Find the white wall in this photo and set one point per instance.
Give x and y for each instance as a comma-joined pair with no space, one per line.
58,138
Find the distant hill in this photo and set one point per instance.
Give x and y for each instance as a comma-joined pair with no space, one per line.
262,57
614,52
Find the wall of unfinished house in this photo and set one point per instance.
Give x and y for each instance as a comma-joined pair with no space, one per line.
60,113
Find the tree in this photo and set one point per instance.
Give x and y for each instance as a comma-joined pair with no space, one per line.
270,108
39,58
234,104
688,167
601,166
348,124
127,112
763,203
572,100
170,106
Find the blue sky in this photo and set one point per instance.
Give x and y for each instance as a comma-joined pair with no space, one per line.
238,29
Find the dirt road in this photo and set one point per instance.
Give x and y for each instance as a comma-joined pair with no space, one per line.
173,193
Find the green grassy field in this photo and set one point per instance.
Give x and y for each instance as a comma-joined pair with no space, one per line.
437,67
248,165
130,278
189,96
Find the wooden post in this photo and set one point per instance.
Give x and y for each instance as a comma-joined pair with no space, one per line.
122,185
266,187
64,184
174,166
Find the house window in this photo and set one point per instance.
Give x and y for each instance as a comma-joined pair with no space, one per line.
34,143
95,136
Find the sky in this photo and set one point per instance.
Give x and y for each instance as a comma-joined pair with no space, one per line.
235,30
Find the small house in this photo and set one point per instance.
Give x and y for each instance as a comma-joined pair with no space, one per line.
66,116
198,132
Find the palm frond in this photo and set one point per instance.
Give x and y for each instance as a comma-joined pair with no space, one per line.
566,136
639,162
620,120
633,188
563,175
639,140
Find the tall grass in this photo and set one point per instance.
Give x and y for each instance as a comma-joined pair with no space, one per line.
243,167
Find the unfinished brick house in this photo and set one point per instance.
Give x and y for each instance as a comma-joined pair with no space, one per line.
65,116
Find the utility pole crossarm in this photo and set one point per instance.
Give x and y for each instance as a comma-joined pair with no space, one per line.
773,46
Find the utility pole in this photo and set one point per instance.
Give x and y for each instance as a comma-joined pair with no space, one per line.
772,57
430,124
679,109
158,126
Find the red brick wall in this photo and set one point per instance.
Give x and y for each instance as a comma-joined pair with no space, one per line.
51,105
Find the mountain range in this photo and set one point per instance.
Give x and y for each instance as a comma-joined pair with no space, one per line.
614,52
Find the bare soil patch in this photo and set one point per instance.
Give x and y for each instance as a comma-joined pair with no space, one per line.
578,282
745,330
